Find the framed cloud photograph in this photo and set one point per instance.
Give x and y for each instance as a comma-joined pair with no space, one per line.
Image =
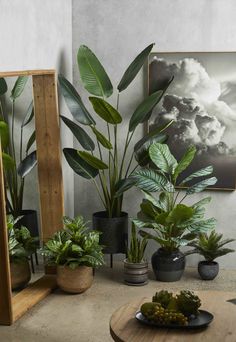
202,102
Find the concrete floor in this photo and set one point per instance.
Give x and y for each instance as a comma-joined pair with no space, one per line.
85,318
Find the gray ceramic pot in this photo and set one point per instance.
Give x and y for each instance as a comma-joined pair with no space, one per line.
208,270
168,266
114,231
135,273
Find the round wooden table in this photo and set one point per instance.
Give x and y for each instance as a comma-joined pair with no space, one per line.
125,328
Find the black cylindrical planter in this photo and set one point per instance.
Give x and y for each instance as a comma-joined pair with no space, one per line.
29,220
168,266
114,231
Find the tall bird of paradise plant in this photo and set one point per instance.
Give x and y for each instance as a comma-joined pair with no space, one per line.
110,167
16,163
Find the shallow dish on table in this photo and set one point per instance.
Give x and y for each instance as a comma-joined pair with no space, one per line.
201,321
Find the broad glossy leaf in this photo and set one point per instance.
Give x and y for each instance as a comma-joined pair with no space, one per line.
28,115
143,224
3,86
200,173
134,68
151,181
185,161
78,164
162,157
27,164
202,202
30,141
200,186
93,161
105,110
150,137
142,154
19,86
8,161
148,209
4,134
151,199
202,226
180,214
92,73
83,138
144,109
74,102
102,139
124,185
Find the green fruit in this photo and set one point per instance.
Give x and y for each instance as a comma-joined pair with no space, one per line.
163,297
188,303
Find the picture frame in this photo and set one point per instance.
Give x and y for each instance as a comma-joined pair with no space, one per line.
200,100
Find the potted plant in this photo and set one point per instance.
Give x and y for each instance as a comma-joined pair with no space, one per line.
76,251
136,267
175,224
21,246
110,169
18,161
210,246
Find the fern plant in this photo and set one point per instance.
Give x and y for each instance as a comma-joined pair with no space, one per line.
74,245
20,242
210,246
135,252
175,224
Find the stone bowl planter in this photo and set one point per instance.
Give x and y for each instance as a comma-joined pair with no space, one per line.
20,274
208,270
168,267
74,281
135,273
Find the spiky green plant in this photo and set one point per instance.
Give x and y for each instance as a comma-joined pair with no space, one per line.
210,246
136,248
74,245
175,224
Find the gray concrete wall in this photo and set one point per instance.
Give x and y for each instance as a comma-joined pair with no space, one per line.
38,35
116,31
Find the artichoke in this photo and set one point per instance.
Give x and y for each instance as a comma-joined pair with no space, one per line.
163,297
188,303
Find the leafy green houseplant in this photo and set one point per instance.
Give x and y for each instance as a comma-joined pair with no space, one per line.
174,224
210,246
76,251
18,161
135,265
21,245
109,166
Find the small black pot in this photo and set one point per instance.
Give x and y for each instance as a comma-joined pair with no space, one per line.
168,266
208,270
29,220
114,231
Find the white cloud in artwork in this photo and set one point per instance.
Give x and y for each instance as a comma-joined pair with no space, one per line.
196,102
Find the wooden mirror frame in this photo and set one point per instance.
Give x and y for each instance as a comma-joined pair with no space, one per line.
50,190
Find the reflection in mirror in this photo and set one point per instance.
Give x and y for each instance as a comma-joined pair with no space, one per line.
17,130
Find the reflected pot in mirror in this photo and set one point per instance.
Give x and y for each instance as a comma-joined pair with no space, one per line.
114,231
20,274
29,219
168,266
135,273
76,280
208,270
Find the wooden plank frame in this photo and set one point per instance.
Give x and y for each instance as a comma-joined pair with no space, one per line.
50,191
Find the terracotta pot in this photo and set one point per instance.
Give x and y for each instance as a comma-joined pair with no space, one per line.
135,273
20,274
74,281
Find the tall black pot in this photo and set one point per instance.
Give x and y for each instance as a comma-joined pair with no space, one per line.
29,219
114,231
168,266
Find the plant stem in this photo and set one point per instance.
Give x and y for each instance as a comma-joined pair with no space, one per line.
130,162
